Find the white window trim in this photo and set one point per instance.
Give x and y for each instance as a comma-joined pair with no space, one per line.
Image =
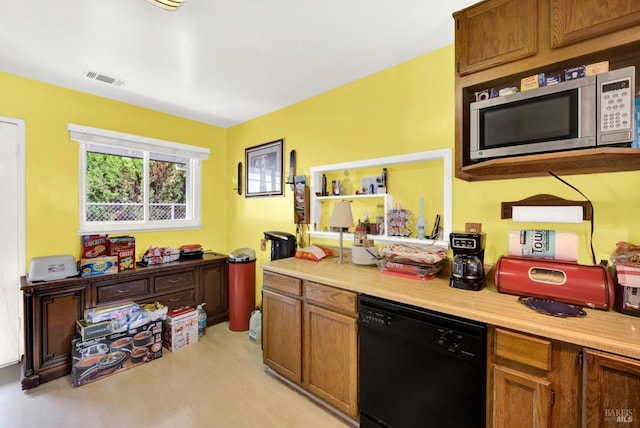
84,135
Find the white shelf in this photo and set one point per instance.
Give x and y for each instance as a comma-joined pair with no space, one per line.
316,172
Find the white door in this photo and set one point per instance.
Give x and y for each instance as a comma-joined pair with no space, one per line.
12,226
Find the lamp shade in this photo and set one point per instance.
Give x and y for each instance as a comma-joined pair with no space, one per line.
342,216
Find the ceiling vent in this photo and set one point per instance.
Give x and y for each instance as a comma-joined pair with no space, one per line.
104,78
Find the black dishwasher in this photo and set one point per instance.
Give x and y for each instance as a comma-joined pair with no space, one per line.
419,368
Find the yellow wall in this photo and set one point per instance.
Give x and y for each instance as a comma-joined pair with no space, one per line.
52,163
405,109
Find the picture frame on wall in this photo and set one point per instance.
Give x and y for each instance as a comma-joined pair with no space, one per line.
264,173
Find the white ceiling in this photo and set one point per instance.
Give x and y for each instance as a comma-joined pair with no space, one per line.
220,62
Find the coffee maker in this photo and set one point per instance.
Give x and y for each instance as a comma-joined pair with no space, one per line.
467,271
283,244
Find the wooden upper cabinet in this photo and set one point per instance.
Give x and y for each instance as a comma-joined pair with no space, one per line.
576,20
495,32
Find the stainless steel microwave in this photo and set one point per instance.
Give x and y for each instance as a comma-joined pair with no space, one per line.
582,113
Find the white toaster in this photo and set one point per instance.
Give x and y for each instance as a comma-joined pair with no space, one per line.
50,268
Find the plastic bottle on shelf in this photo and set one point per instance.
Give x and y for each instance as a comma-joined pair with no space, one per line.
255,326
421,223
202,320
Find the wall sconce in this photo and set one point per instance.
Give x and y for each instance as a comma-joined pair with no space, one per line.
547,209
342,218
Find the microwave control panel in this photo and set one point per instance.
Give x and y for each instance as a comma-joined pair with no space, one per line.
616,106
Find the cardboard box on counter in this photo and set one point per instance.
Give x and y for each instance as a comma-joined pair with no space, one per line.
93,246
180,328
101,357
99,266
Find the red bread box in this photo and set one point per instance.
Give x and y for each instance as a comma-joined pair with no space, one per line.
590,286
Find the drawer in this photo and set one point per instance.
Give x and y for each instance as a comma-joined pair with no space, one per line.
126,290
173,281
177,299
283,283
520,348
331,297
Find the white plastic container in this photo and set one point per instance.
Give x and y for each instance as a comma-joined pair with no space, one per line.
255,326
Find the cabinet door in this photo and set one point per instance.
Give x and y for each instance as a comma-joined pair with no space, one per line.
520,400
575,20
331,357
282,334
215,292
55,316
611,390
495,32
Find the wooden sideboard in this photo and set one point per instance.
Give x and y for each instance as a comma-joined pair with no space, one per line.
51,308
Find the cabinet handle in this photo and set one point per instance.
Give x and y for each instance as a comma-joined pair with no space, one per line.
177,299
553,397
173,281
120,290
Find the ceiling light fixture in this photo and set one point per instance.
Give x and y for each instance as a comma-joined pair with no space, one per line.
167,4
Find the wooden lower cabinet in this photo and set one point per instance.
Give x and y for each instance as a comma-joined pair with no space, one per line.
282,334
310,337
331,357
532,381
52,308
214,291
50,317
611,390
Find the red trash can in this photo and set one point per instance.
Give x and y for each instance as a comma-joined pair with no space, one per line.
242,288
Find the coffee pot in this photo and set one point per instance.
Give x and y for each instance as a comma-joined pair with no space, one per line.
467,271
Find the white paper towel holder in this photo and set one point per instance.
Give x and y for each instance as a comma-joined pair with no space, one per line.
548,208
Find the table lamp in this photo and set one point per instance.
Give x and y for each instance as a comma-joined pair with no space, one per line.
342,218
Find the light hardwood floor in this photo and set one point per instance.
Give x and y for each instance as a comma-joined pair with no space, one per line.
217,382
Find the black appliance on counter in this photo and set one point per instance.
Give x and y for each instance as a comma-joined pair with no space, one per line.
419,368
283,244
467,270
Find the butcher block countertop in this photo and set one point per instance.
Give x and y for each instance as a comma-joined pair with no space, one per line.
604,330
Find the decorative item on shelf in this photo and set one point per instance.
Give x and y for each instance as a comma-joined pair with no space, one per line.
345,185
398,222
360,236
421,222
342,218
335,187
385,178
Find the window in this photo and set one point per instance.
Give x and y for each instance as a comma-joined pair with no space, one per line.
133,183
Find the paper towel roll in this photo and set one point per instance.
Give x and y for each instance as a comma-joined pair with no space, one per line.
544,244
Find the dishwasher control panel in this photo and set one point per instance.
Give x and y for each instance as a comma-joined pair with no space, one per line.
375,317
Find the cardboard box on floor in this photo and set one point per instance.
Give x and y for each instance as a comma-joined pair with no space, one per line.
180,328
104,356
